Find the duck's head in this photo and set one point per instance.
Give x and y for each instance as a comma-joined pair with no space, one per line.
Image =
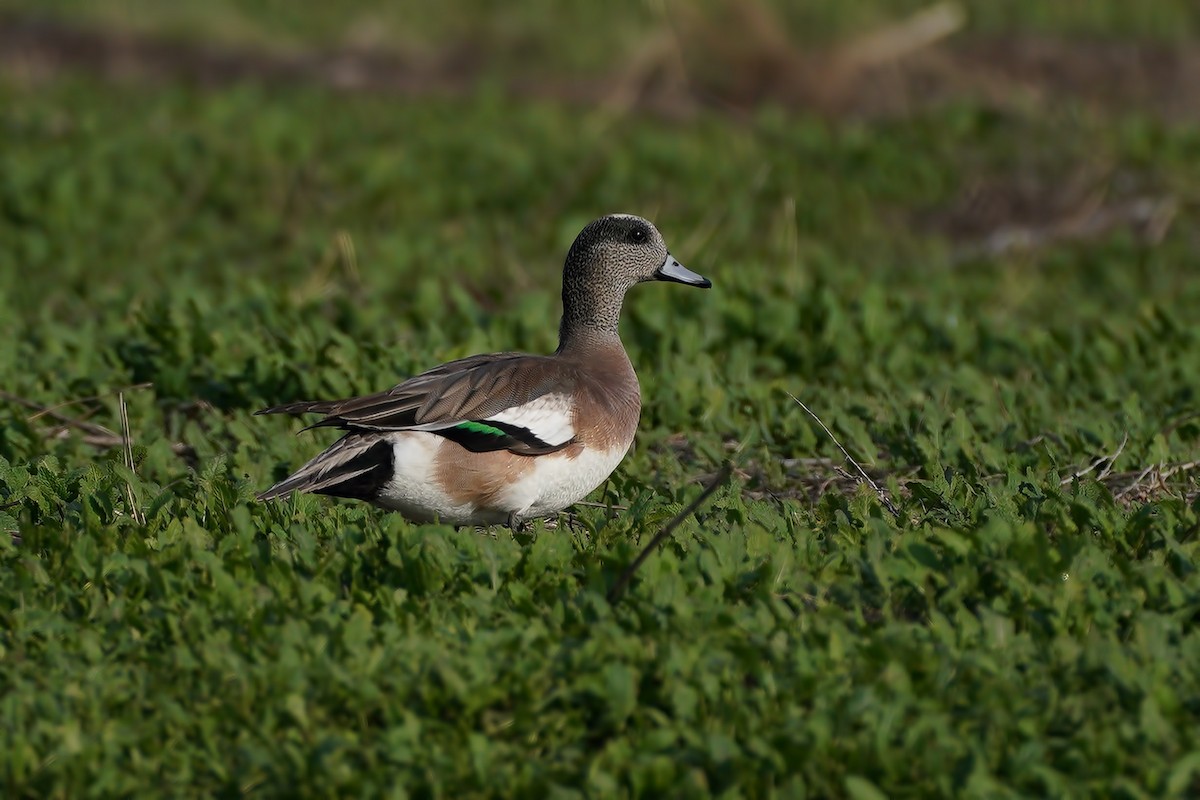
609,256
620,250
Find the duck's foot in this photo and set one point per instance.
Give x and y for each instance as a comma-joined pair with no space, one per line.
563,519
571,522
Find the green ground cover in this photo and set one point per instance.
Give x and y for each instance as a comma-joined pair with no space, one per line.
1015,632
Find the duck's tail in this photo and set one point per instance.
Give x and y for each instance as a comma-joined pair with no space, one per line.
357,466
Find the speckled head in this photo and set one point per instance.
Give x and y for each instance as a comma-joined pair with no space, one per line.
610,256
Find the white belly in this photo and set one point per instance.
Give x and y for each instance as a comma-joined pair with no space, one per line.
550,484
557,481
413,491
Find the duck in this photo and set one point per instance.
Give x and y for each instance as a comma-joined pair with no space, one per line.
503,438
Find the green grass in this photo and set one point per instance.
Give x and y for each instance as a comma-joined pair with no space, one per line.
1014,633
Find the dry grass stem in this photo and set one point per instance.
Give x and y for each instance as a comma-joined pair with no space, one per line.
349,258
134,512
898,40
593,504
1108,460
92,433
883,498
1151,482
618,588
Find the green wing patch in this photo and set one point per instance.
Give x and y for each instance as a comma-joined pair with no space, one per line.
482,437
480,427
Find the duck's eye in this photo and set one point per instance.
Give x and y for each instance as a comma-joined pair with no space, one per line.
637,235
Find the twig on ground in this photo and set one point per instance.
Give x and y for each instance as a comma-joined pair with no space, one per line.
1153,215
808,478
90,428
592,504
1158,474
883,498
137,515
1175,469
51,409
618,588
92,433
1136,481
1110,459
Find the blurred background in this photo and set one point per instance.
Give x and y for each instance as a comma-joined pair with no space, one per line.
860,57
1078,89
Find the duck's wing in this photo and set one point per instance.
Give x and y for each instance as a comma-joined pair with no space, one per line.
500,401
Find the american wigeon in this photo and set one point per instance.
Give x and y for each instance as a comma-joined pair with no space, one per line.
504,437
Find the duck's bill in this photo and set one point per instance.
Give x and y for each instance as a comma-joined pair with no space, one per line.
672,270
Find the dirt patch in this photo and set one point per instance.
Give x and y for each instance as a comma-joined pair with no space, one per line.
1150,76
40,48
675,72
1024,211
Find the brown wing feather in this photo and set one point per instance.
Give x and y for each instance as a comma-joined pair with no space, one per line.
468,389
